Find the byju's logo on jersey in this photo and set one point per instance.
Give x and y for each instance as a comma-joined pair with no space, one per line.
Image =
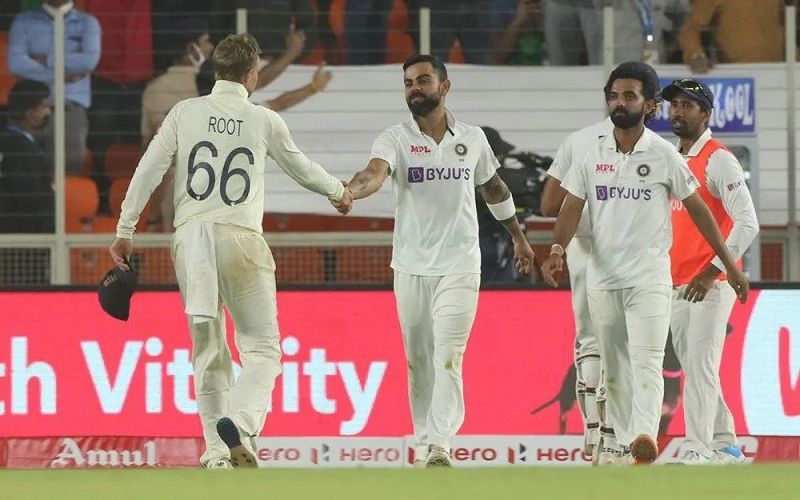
422,174
604,193
420,150
416,174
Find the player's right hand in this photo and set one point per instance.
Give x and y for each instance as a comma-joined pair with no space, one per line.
121,250
321,78
344,204
295,41
739,282
552,265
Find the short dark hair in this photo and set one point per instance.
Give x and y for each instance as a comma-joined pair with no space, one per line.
644,73
235,56
204,80
26,95
636,70
437,64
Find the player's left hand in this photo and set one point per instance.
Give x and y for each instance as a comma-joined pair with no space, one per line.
739,282
697,289
121,250
523,255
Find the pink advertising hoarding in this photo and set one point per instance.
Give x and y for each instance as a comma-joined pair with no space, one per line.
67,369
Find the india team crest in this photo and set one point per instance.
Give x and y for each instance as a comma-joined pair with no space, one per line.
643,170
461,149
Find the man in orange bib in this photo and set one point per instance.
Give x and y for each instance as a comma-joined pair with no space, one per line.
702,299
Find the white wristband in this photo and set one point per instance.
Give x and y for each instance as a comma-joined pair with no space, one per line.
503,210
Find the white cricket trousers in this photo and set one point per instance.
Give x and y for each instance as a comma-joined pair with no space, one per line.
436,315
587,352
246,278
632,325
698,335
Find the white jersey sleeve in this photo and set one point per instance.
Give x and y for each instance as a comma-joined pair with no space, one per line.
575,181
385,148
487,164
562,160
725,180
296,164
151,169
680,180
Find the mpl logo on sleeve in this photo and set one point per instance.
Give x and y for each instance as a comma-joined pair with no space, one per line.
420,150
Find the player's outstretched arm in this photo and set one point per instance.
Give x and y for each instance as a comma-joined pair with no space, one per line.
552,197
498,198
369,180
702,218
566,225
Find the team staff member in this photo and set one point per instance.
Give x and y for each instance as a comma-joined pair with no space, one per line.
220,143
435,162
702,300
627,179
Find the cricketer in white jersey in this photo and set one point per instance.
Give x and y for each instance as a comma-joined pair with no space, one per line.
435,162
220,144
626,180
587,352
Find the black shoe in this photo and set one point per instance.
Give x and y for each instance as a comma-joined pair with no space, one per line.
241,456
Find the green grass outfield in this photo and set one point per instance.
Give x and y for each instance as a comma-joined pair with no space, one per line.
753,482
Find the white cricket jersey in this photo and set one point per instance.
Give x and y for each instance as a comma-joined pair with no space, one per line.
571,150
220,143
628,196
725,180
436,224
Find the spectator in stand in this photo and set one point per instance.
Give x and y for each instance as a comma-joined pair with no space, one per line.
366,24
30,56
334,53
295,41
634,20
471,22
26,176
205,82
191,41
742,32
165,13
126,65
573,31
268,21
519,37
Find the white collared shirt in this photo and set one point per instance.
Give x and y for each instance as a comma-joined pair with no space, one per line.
725,180
628,196
572,149
220,143
436,224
